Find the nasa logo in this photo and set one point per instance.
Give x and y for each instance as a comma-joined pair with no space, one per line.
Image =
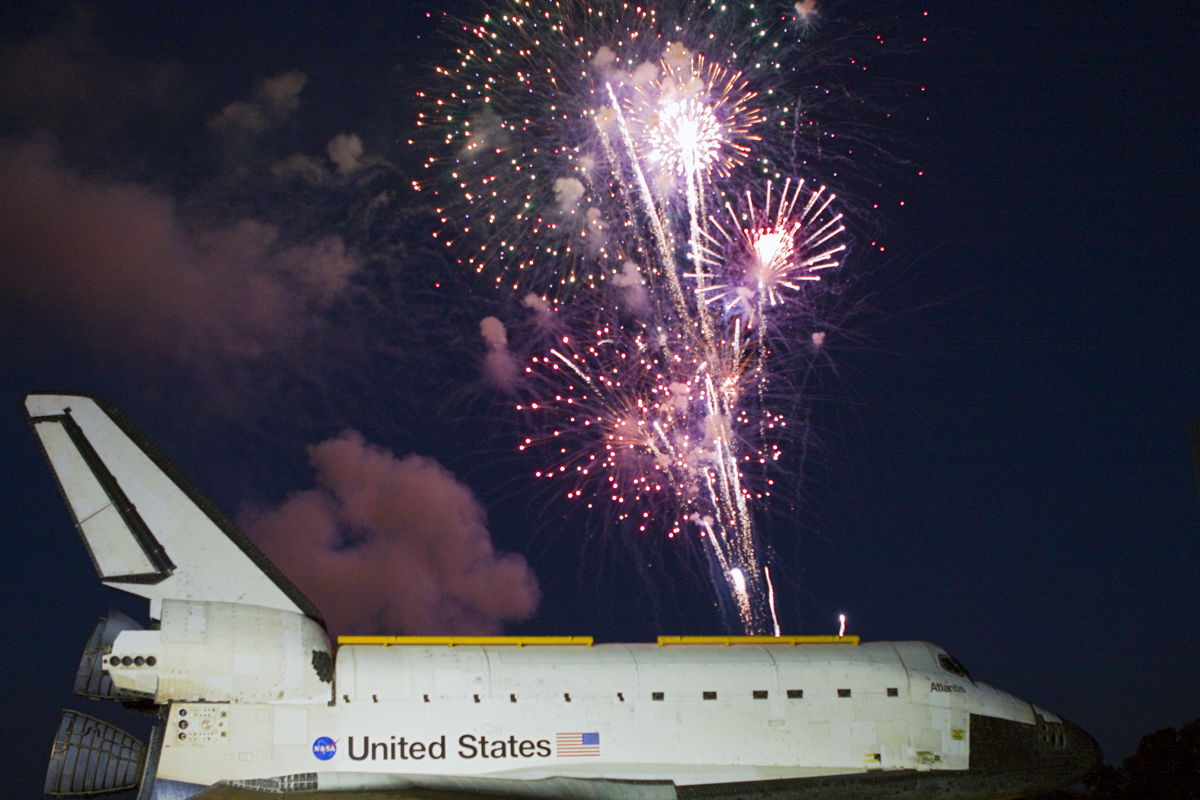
324,748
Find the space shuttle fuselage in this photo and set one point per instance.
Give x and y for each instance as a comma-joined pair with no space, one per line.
252,697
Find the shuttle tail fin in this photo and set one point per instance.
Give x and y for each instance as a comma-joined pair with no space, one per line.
148,531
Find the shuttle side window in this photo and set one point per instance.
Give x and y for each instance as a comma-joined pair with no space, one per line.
710,695
760,694
656,695
795,694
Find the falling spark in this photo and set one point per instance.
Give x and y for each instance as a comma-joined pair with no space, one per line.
771,602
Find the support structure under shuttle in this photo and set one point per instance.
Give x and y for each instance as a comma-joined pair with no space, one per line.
251,699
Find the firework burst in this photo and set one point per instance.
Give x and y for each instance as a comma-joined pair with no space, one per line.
696,119
761,254
522,126
654,427
604,157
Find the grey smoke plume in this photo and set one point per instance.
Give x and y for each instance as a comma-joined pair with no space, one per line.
346,151
302,167
272,102
633,287
499,364
543,313
567,193
68,82
387,545
117,261
485,131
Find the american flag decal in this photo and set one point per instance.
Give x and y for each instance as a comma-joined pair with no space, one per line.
569,745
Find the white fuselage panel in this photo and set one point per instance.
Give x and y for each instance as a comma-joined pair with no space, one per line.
683,713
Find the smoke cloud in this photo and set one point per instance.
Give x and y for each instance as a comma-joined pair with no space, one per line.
645,73
301,167
117,261
272,102
346,151
68,82
604,56
387,545
484,131
633,287
543,313
806,10
499,365
567,193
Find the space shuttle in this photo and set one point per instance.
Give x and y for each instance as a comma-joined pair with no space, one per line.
251,699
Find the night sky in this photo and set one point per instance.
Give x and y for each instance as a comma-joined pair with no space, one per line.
999,460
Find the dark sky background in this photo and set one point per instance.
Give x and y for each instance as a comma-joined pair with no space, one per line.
1000,464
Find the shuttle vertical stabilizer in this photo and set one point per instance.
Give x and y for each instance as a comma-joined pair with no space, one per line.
148,532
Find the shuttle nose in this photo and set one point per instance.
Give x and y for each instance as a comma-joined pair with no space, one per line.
1025,759
1081,748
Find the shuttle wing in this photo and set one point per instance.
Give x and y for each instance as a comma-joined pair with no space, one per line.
148,531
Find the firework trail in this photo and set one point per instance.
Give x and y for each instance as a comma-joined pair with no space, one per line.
632,170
